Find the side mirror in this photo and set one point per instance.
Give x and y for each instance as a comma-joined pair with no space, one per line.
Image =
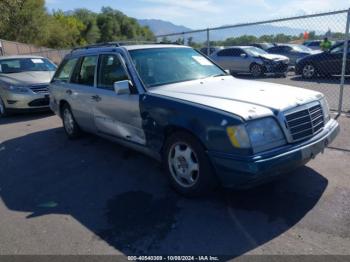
122,87
243,55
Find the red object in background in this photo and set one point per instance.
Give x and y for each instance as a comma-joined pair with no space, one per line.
306,35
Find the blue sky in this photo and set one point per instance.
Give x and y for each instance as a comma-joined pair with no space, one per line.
206,13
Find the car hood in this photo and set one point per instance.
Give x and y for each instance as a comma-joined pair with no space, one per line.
274,57
246,98
27,78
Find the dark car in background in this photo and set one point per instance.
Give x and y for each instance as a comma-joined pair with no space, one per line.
263,46
324,64
315,44
292,51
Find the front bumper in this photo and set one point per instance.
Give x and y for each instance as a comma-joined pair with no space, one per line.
26,101
240,172
276,68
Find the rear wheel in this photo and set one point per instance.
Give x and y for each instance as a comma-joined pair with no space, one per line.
309,71
3,110
256,70
187,165
70,125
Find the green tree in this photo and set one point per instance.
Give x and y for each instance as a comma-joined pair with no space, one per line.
24,20
90,33
64,31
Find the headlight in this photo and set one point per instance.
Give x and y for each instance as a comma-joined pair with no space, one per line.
238,136
267,61
325,108
265,134
260,135
17,89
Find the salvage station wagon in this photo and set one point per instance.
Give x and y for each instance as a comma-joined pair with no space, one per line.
176,105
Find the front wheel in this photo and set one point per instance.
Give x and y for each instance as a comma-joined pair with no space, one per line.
256,70
70,125
309,71
187,165
3,111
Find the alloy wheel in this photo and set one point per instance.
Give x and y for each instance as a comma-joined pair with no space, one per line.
309,71
256,70
2,107
68,121
183,164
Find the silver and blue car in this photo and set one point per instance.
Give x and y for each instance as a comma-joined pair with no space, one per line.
251,60
24,82
174,104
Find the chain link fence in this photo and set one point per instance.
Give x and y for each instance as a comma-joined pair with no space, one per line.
327,69
312,64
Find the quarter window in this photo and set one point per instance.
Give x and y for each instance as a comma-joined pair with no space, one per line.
111,70
64,71
85,75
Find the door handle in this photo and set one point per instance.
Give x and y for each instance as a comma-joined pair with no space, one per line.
69,92
96,98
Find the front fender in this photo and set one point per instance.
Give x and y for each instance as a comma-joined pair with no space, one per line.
207,124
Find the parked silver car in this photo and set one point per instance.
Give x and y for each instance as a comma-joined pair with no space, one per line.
24,82
250,59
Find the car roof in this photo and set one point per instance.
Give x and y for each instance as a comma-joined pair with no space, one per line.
19,56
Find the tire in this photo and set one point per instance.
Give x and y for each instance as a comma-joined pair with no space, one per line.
187,165
256,70
3,110
70,126
308,71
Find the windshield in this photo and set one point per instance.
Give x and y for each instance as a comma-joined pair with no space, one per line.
160,66
254,51
301,48
19,65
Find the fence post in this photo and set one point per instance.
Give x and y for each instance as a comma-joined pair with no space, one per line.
208,42
343,71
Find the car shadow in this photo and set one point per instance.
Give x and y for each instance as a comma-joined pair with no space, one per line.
124,198
22,117
321,80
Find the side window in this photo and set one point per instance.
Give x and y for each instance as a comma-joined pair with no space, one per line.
237,52
64,71
110,70
225,52
85,74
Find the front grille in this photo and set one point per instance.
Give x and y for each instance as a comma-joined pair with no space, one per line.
39,89
305,123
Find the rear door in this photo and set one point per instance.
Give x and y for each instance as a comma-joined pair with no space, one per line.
80,91
224,58
116,115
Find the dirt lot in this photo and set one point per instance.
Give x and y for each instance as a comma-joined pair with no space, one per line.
93,197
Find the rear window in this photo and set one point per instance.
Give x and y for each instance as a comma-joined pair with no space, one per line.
85,74
65,69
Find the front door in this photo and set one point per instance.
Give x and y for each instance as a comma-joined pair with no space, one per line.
116,115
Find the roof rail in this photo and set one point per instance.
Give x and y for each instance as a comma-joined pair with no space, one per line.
105,44
118,44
